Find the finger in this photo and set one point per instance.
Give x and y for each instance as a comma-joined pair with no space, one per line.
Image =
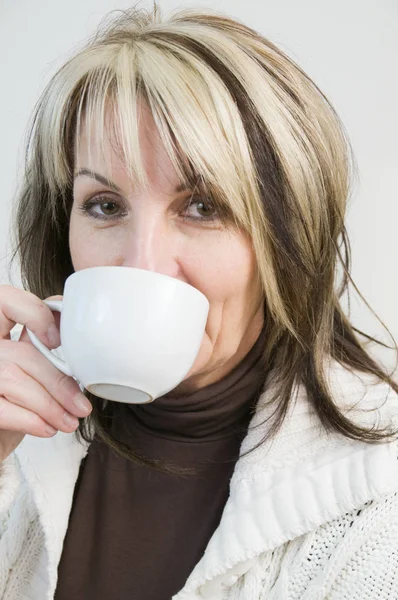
20,389
5,326
15,418
24,337
20,306
63,388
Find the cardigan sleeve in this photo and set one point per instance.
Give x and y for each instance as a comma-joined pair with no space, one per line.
10,484
15,518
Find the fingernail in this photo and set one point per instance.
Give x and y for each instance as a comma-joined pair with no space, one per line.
82,403
53,336
70,420
50,430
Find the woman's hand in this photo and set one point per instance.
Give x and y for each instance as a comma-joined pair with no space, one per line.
35,397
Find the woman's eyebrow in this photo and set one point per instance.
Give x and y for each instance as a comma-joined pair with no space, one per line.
107,182
99,178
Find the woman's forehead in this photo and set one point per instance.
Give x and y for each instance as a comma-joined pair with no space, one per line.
110,166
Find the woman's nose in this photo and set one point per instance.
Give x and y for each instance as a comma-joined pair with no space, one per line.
151,248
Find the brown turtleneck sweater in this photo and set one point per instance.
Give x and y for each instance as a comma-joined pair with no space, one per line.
137,533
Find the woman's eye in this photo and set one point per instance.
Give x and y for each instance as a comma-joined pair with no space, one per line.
108,209
200,210
103,208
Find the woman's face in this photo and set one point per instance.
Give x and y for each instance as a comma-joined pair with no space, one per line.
159,231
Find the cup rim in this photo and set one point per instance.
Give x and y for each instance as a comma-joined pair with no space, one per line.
147,272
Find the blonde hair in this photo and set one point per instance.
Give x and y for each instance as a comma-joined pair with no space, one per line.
238,117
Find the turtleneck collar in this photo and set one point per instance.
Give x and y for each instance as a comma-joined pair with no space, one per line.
217,411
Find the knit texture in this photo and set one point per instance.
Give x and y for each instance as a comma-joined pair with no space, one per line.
354,557
310,516
22,538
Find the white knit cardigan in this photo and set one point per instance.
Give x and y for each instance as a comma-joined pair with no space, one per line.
310,516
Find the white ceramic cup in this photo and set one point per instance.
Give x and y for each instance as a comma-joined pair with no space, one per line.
127,334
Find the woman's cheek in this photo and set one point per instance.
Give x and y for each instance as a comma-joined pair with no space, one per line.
90,248
220,272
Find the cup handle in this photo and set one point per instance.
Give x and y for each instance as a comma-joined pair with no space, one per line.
57,362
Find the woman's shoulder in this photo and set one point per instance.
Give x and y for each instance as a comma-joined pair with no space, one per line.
308,461
361,397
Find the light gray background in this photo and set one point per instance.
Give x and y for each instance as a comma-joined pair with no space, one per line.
349,48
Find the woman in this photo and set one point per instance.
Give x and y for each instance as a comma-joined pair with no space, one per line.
193,147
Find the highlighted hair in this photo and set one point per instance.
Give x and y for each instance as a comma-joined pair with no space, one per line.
241,119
